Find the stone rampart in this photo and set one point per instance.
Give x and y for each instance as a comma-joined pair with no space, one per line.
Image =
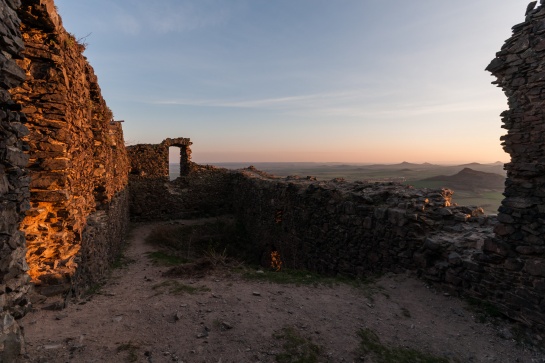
14,189
77,158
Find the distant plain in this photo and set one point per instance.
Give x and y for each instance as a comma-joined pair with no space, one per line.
484,192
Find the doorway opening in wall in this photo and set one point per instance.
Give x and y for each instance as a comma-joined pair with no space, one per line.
174,162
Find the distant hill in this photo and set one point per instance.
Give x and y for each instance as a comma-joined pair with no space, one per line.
469,179
403,165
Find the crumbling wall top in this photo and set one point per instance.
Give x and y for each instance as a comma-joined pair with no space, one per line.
179,141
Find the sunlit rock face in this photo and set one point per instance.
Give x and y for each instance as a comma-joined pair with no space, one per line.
77,160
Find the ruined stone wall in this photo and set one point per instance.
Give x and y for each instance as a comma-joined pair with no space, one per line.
357,229
199,191
77,159
519,250
351,229
14,189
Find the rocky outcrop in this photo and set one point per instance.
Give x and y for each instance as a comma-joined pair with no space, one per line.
14,189
77,160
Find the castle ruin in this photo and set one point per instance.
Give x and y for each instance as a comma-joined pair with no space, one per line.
68,187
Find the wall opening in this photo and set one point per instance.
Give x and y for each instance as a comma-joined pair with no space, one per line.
174,153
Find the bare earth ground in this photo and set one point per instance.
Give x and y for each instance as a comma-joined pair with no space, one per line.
139,316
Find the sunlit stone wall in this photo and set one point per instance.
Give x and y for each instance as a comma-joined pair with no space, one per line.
77,158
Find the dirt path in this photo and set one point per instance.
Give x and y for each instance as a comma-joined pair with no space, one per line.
140,316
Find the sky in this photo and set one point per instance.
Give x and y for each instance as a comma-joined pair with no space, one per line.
303,80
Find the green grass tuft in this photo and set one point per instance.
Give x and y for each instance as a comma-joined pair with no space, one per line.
370,345
164,259
367,286
175,287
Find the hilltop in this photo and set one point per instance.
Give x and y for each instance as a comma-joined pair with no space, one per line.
470,179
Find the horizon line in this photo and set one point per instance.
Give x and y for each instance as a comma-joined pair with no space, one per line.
352,162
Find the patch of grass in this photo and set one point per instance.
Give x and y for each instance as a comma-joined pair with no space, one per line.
370,344
195,241
303,277
289,276
131,349
484,311
175,287
297,349
366,286
165,259
122,262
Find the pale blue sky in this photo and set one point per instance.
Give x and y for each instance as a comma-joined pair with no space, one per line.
303,80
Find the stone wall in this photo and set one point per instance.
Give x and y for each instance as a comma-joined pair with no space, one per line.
354,229
14,189
520,247
199,191
151,160
77,158
357,229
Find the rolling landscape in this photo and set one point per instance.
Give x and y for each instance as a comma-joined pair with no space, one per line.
473,183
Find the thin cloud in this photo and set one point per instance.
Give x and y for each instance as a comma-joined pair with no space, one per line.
358,104
289,102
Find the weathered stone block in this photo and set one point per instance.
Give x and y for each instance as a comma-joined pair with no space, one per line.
49,196
11,339
16,157
535,267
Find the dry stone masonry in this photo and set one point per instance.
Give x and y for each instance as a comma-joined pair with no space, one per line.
65,177
14,188
78,163
199,191
520,70
354,229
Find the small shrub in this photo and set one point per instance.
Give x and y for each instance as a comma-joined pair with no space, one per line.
69,41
